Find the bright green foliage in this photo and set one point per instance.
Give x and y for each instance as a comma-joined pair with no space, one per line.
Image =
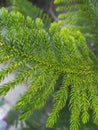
84,15
40,58
28,9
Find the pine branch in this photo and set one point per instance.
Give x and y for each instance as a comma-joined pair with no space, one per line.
84,15
40,57
60,98
28,9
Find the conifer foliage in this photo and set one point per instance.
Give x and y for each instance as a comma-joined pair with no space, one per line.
83,14
28,9
40,57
